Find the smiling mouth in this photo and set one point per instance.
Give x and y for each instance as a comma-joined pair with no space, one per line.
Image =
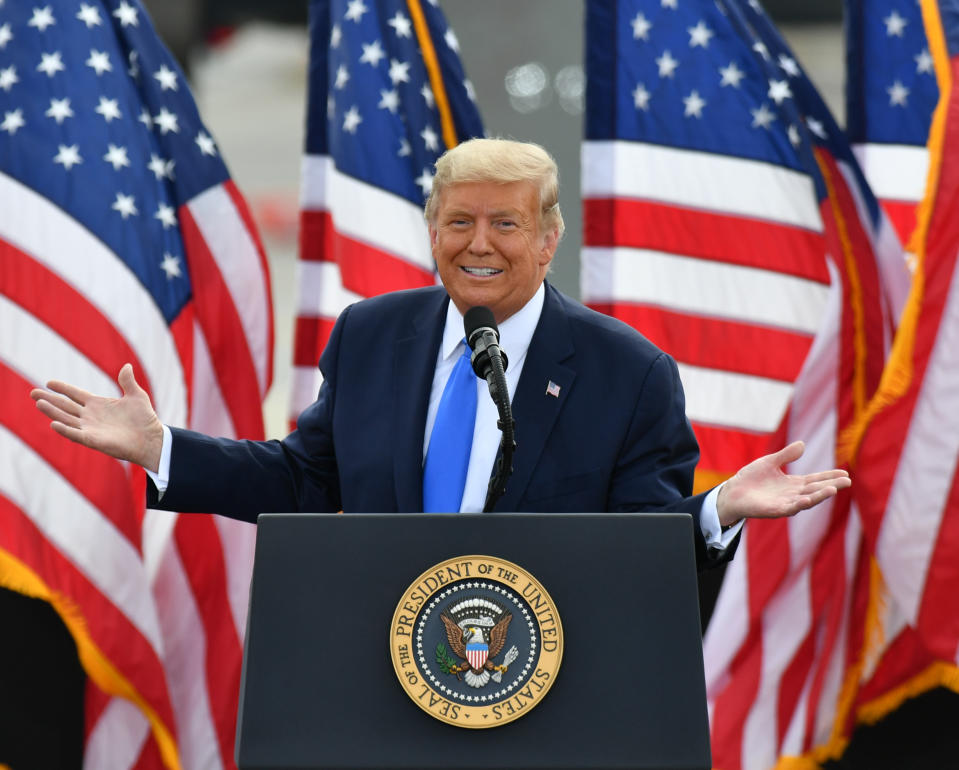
481,272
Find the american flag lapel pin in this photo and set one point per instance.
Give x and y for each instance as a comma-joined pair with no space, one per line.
552,389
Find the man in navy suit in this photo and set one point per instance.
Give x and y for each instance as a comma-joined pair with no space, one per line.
600,421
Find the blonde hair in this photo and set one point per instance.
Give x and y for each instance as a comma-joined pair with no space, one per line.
501,161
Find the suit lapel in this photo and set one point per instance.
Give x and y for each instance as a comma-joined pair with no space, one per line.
414,362
534,409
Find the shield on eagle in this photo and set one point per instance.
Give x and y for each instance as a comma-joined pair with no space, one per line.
476,652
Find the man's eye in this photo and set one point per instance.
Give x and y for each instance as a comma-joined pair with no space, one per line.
506,224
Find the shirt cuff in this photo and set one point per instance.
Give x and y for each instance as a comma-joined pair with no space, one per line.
716,538
161,479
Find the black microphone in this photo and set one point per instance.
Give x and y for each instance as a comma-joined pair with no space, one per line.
482,336
489,362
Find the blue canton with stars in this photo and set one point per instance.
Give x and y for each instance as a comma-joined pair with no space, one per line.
381,123
96,116
708,76
891,88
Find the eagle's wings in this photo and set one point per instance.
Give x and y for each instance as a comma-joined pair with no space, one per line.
497,636
454,635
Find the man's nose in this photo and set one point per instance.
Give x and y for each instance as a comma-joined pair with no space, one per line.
480,243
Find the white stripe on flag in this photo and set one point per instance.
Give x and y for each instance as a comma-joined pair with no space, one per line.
186,655
322,294
895,171
238,260
704,287
734,400
366,213
926,471
699,180
117,738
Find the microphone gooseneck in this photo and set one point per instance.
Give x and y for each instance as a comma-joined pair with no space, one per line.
490,362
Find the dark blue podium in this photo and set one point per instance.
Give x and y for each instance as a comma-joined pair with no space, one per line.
319,689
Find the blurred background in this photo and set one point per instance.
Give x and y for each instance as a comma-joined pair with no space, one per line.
247,64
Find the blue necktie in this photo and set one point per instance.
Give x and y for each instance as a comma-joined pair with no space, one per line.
448,455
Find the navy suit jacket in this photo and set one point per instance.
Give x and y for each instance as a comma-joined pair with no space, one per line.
614,438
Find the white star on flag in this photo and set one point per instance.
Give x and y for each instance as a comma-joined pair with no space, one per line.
117,157
126,205
51,63
401,24
59,110
68,157
166,78
127,14
42,18
699,35
206,144
89,15
99,61
166,215
171,266
667,65
8,77
641,26
399,71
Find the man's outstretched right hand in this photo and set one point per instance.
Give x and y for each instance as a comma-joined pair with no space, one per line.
125,427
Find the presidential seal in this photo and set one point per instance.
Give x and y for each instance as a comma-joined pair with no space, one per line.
476,641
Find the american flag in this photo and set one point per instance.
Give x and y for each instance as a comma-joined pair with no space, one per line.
123,239
890,94
726,218
908,457
387,96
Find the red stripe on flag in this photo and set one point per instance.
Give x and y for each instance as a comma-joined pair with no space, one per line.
182,331
150,758
66,311
109,629
316,236
731,708
366,270
722,449
310,339
95,702
224,332
243,209
201,552
100,479
851,246
716,343
935,623
768,562
902,214
703,234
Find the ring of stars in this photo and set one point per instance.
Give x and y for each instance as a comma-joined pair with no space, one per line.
480,697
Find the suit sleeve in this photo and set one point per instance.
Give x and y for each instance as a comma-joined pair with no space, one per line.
654,471
242,479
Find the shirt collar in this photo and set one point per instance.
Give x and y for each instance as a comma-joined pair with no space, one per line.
515,333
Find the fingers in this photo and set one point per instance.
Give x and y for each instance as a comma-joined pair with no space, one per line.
72,392
834,474
789,453
62,404
127,381
57,414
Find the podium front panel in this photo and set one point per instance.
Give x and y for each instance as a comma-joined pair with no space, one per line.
319,689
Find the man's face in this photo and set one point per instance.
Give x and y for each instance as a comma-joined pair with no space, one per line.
489,246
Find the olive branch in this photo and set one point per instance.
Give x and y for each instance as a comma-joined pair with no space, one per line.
447,664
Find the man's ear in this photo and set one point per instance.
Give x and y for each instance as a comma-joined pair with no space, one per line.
550,242
433,234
